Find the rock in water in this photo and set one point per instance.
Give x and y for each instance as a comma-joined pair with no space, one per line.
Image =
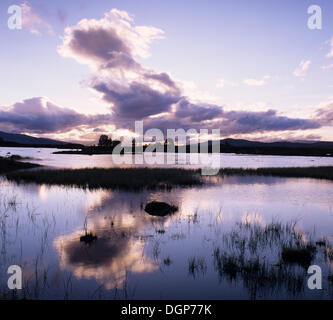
160,209
88,238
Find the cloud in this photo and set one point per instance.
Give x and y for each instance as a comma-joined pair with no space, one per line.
111,42
39,115
163,78
196,113
111,46
135,101
295,136
302,69
258,83
255,122
222,83
32,22
190,116
330,54
329,66
325,114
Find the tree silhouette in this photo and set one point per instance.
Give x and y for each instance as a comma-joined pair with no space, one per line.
104,141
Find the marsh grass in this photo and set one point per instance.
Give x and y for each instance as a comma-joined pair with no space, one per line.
8,165
293,172
258,276
283,241
136,179
12,202
115,178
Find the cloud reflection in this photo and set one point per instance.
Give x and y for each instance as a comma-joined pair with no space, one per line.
119,247
107,260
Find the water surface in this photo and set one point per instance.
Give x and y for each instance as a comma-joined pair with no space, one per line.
225,160
137,256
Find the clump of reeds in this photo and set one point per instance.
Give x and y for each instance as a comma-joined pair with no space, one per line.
266,257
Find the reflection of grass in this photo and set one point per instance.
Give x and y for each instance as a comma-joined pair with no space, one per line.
114,178
226,264
178,236
295,172
12,202
7,165
196,265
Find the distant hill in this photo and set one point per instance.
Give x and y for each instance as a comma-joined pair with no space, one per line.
278,144
25,139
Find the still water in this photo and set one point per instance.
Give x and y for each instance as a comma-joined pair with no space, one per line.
138,256
225,160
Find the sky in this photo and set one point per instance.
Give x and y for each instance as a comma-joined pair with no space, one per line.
253,69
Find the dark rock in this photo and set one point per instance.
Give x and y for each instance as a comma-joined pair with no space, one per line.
160,209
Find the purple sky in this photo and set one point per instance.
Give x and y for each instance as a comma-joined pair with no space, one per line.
251,69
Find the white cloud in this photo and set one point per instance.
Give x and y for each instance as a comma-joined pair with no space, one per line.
112,39
257,82
32,22
222,83
191,90
302,69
